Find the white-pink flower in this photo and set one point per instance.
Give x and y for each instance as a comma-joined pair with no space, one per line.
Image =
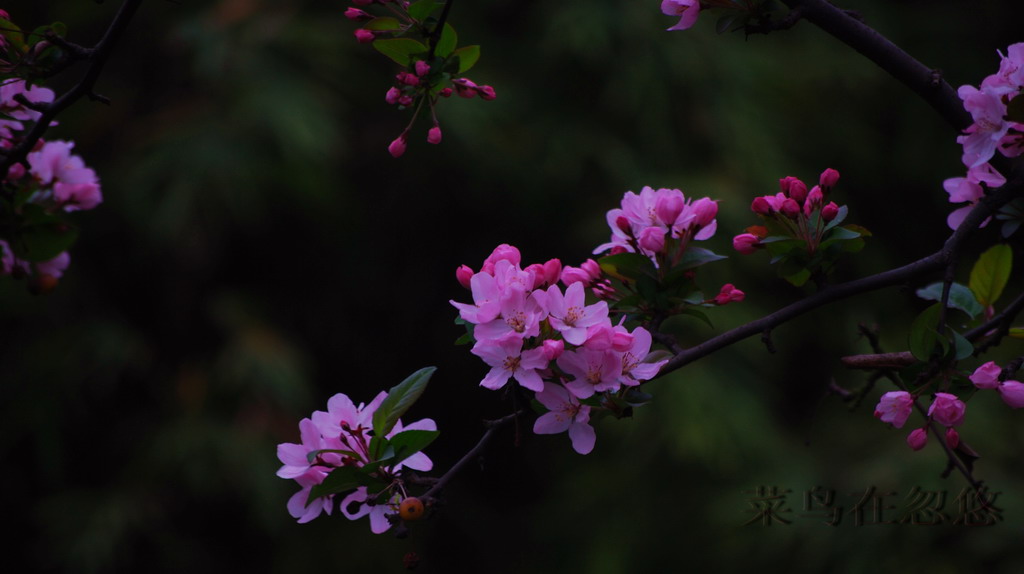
570,315
894,408
591,371
565,414
634,369
508,360
986,376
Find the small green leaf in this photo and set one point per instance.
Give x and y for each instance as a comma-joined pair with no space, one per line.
698,314
422,9
468,56
962,347
408,443
627,266
840,216
341,479
990,274
923,337
1017,332
697,256
399,399
960,297
446,44
400,50
382,24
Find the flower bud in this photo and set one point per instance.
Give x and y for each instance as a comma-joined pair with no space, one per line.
553,348
422,68
952,437
392,96
729,294
504,252
364,36
815,197
986,376
917,438
705,209
761,206
405,100
397,147
486,93
357,14
445,93
623,224
1012,393
797,190
552,271
746,243
434,135
829,178
785,183
790,208
592,268
829,212
464,273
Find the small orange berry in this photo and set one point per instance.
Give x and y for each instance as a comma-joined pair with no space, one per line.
411,509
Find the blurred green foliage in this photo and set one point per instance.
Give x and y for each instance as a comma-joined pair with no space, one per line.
259,251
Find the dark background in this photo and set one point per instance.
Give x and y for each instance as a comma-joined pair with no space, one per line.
258,251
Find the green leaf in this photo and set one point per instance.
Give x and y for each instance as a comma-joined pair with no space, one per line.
384,23
468,56
961,346
408,443
923,337
422,9
400,50
399,399
45,240
960,297
698,314
840,216
627,266
446,44
990,274
697,256
341,479
1017,332
13,34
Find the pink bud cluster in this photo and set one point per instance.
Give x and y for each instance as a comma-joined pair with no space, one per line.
424,80
659,224
946,409
990,376
794,209
550,340
992,130
687,10
337,438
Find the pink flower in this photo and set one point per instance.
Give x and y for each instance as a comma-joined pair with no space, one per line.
364,36
829,212
486,300
947,410
297,503
422,68
566,414
77,196
54,267
894,408
507,360
54,163
917,438
989,127
687,10
986,376
393,95
634,369
651,240
378,512
570,315
520,317
1012,393
591,371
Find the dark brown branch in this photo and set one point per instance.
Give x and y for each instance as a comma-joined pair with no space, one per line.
492,429
97,58
924,81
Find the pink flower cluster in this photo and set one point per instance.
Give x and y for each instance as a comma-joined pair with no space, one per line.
550,340
793,208
894,408
991,131
988,376
56,180
659,224
687,10
337,438
13,111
